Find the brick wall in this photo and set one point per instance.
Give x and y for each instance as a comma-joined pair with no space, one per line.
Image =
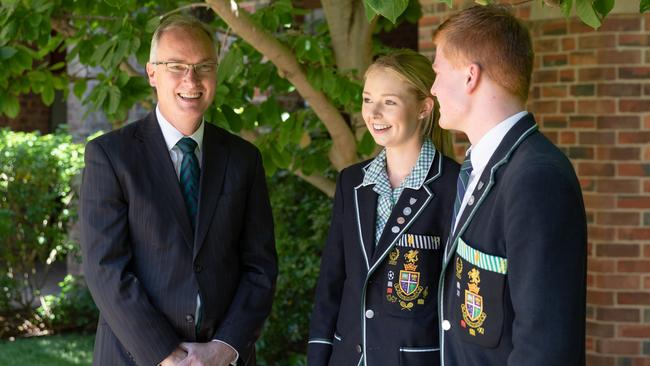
34,115
591,96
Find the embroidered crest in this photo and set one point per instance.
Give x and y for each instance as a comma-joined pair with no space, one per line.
408,287
472,308
392,257
459,267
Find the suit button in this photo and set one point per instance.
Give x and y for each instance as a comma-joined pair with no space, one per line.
446,325
370,314
358,348
198,268
189,318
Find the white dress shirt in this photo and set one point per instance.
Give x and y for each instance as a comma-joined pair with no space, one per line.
172,136
481,154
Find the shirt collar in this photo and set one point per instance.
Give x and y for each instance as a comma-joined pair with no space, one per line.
376,172
483,150
172,135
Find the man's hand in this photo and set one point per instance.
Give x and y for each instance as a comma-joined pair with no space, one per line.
207,354
175,357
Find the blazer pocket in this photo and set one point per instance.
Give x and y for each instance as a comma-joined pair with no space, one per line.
479,279
419,356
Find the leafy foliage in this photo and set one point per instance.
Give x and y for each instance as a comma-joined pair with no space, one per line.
36,205
72,309
299,242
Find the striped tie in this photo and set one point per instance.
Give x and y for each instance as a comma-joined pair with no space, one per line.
189,177
461,186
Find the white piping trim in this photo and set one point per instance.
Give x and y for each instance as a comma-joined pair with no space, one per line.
417,350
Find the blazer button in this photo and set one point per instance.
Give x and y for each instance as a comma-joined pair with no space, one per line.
189,318
370,314
358,348
198,268
446,325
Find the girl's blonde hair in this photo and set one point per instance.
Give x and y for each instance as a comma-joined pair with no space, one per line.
415,69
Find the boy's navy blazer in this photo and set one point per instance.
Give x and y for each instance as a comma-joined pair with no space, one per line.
513,288
363,314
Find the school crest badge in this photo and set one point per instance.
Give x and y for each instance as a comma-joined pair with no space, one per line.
473,306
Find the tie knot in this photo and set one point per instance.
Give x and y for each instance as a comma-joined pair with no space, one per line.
187,145
467,163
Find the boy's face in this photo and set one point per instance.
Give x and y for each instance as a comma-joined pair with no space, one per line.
449,88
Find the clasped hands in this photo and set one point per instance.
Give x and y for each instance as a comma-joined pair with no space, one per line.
200,354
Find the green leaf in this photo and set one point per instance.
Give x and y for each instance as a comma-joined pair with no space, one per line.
233,119
79,88
587,14
366,145
47,95
566,7
370,12
231,65
644,6
388,9
9,105
152,24
603,7
98,56
114,96
449,3
7,52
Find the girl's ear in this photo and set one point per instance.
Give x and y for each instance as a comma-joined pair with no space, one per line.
426,107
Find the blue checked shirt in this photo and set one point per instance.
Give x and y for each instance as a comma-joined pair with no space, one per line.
376,174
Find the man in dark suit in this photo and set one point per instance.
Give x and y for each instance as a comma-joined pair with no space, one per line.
177,233
513,287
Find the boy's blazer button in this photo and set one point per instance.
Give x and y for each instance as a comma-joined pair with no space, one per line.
370,314
446,325
189,318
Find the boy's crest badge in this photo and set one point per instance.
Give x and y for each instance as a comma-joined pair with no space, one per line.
409,281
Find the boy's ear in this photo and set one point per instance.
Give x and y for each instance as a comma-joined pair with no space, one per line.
472,76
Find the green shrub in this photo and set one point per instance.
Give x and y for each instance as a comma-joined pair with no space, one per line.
36,206
72,309
302,215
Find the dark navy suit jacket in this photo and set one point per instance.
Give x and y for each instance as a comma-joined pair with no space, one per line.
376,306
145,265
513,290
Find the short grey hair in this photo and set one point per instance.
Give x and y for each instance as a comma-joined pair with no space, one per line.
178,21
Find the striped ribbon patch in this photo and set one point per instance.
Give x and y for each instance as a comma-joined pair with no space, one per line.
476,257
419,241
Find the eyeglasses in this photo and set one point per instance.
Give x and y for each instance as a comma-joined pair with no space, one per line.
179,68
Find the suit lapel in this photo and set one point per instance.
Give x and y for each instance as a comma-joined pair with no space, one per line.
158,161
365,201
213,171
407,209
522,129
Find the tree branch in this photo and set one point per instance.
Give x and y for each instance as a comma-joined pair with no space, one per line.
343,152
321,182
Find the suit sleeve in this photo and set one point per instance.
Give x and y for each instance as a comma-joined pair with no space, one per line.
252,302
107,254
546,245
329,288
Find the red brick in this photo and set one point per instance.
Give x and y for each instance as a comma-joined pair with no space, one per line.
633,234
646,154
595,297
618,186
634,331
642,202
646,186
546,45
619,90
618,218
577,26
646,283
554,91
597,73
567,106
635,298
618,315
428,20
646,122
625,24
567,75
583,90
600,360
615,57
599,201
554,27
634,266
596,138
567,138
618,122
618,347
633,170
618,153
544,107
568,44
554,60
554,121
596,169
600,330
617,250
583,58
582,121
600,106
638,137
646,252
634,105
637,72
587,184
646,89
544,76
635,40
601,265
598,41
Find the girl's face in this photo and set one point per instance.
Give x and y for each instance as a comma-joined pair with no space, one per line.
390,109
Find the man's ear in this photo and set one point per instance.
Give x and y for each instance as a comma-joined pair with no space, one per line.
472,76
151,72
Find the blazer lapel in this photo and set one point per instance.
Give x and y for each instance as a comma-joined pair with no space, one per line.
365,201
522,129
213,172
160,165
406,211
